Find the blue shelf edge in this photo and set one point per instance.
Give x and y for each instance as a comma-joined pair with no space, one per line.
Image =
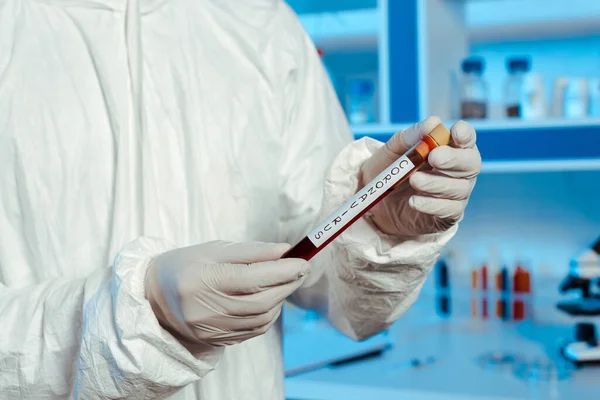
526,147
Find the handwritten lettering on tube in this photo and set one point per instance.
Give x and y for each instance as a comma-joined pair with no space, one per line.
350,209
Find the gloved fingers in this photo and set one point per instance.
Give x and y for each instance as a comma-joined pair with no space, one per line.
262,302
456,162
442,208
463,135
258,277
236,323
241,253
438,185
264,328
234,337
407,138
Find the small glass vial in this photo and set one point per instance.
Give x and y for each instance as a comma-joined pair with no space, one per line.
361,98
474,91
517,69
533,98
576,99
558,96
594,97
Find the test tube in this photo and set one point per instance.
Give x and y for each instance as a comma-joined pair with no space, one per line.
474,286
521,287
484,287
369,196
502,287
443,288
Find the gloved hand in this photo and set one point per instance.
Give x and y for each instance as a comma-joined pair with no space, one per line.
438,193
221,293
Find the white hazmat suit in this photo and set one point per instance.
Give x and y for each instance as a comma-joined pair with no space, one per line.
128,128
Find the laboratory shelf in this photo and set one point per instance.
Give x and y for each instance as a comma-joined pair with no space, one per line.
524,146
485,21
344,30
523,125
496,167
530,19
489,125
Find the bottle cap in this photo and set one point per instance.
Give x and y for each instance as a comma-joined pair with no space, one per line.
472,65
515,64
441,135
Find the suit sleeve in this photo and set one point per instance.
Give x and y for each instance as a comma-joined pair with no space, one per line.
93,338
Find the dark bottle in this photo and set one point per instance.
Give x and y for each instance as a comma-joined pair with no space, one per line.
474,91
517,69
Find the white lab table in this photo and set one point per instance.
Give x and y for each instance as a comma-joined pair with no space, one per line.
456,345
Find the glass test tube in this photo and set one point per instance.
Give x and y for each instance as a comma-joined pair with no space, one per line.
369,196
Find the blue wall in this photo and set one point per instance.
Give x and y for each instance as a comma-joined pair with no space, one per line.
545,218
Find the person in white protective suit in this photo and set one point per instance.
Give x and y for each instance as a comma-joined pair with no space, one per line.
155,158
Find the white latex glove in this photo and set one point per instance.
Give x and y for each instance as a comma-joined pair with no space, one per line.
438,193
221,293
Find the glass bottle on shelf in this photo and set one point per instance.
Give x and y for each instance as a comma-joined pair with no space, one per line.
576,99
361,97
517,69
474,91
558,96
594,97
533,98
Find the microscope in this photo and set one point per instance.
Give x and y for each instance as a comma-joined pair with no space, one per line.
584,276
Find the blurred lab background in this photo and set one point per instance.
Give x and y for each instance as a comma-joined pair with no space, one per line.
512,308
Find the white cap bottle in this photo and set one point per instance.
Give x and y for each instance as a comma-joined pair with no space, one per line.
576,99
532,97
595,97
558,97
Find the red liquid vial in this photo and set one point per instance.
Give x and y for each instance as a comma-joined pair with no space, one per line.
522,287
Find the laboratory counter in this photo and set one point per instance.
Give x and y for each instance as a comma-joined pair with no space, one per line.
457,359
